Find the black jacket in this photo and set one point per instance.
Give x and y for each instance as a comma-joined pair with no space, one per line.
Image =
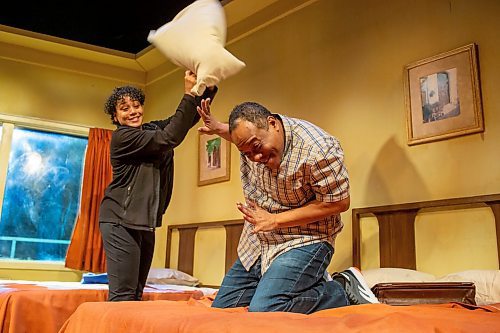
143,167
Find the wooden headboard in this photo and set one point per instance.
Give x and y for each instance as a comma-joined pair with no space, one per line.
396,231
397,227
187,233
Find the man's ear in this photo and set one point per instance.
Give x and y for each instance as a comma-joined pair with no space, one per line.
273,122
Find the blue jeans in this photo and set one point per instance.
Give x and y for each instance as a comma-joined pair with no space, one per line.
295,282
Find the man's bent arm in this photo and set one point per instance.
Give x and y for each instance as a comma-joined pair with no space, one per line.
310,212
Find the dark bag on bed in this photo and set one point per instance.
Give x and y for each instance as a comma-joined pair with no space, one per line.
409,293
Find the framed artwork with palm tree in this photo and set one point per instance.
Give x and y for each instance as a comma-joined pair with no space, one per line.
214,159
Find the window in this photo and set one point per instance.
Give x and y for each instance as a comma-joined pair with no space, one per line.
41,193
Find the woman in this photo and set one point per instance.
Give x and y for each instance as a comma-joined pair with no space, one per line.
137,197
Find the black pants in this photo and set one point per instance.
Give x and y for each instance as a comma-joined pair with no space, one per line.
129,254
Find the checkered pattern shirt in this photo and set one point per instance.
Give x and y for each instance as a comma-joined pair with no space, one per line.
312,168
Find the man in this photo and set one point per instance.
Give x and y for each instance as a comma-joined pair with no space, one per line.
295,186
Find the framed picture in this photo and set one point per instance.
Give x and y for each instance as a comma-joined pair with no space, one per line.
214,159
443,97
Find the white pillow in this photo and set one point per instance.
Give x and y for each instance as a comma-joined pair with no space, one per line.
487,284
384,275
195,40
170,276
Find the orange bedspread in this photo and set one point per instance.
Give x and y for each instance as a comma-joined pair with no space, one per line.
31,308
196,316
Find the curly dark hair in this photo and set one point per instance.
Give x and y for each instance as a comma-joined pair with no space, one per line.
117,95
250,111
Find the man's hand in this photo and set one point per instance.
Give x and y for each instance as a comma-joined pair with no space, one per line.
261,219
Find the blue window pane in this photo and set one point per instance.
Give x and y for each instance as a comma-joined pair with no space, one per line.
42,195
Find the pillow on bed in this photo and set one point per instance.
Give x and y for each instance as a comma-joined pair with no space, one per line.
195,40
97,278
170,276
382,275
487,284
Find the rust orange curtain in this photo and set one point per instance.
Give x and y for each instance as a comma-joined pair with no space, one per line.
85,251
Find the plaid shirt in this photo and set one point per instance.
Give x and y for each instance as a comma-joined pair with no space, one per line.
312,168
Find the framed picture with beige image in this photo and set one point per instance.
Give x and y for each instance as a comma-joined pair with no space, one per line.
443,96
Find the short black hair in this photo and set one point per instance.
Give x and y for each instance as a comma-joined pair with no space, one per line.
118,94
252,112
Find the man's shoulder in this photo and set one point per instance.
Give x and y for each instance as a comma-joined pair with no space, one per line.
308,133
302,126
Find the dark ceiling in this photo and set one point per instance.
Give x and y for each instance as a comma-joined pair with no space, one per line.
117,25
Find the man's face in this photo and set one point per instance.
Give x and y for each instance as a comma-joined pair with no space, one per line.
258,144
129,112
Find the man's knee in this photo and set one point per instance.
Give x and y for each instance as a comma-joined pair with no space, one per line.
262,308
268,304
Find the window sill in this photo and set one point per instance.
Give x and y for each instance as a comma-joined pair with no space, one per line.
34,265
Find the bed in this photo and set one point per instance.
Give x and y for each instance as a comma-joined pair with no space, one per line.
30,306
395,221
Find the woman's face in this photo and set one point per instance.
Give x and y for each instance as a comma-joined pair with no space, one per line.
129,112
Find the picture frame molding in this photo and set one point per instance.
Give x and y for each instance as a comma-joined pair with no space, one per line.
419,133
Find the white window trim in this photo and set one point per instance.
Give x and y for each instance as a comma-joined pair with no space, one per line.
44,125
5,144
33,265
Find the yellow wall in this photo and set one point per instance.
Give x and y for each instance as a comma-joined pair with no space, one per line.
340,65
335,63
31,90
